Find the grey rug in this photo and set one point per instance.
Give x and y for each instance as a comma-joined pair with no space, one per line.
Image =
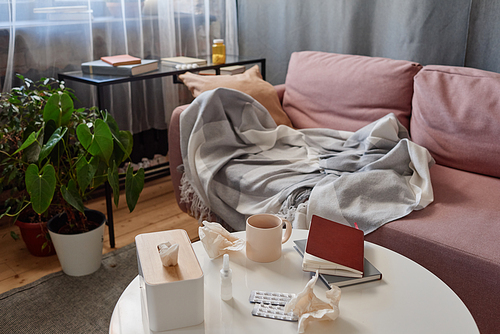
58,303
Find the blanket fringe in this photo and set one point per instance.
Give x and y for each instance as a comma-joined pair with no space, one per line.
196,208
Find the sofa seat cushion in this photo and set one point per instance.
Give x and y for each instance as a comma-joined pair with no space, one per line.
346,92
456,116
456,237
250,82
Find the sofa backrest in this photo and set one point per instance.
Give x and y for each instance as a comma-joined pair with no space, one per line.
346,92
456,116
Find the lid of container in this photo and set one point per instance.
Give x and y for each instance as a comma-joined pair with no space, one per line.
153,271
218,41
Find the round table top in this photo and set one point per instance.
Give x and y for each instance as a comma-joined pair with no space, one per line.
408,299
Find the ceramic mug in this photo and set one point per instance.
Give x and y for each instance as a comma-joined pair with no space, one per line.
264,237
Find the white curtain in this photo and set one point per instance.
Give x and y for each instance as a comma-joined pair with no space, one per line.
41,38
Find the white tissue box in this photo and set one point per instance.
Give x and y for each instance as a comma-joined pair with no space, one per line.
171,297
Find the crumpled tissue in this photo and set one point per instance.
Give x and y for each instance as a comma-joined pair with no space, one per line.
168,253
309,308
217,240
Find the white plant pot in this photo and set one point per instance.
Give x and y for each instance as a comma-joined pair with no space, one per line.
79,254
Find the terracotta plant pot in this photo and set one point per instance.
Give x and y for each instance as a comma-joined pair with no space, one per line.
79,254
34,236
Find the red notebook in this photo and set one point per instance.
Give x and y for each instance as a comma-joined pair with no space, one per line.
121,60
339,244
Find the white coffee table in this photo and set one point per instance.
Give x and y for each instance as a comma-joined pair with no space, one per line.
408,299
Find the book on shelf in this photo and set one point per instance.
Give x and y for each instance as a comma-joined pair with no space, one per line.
103,68
181,60
120,60
227,70
334,249
370,272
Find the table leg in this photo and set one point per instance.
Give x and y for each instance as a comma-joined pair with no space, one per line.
109,209
107,187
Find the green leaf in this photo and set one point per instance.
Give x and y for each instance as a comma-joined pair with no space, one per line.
126,142
113,126
30,140
48,129
101,172
103,140
51,143
100,143
31,150
84,135
31,153
114,183
58,108
71,195
66,108
40,186
123,147
13,174
84,174
123,139
14,235
134,183
51,111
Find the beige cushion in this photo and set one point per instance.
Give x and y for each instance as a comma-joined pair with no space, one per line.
250,83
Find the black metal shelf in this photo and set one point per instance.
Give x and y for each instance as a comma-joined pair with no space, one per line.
101,81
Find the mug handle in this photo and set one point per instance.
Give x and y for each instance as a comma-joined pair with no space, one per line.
288,231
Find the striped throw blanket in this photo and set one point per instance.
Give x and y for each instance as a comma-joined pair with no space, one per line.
237,162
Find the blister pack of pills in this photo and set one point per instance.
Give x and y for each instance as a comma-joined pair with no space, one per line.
271,305
273,312
273,298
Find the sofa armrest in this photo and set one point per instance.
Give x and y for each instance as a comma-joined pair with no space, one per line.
174,153
280,89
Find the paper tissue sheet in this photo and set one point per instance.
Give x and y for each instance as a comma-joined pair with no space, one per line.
309,308
217,240
168,253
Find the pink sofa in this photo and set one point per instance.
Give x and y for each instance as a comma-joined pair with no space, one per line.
455,113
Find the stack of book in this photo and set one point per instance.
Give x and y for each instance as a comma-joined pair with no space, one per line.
120,65
181,60
336,251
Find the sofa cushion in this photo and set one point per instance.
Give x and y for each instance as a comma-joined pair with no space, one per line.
456,116
250,82
457,238
346,92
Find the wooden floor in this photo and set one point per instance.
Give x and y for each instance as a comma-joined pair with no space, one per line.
156,210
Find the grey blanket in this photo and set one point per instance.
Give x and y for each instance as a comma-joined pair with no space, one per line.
237,162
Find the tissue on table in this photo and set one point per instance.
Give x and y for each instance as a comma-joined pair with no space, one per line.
309,308
217,240
168,253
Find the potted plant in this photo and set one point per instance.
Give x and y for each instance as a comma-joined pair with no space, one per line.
19,116
76,151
